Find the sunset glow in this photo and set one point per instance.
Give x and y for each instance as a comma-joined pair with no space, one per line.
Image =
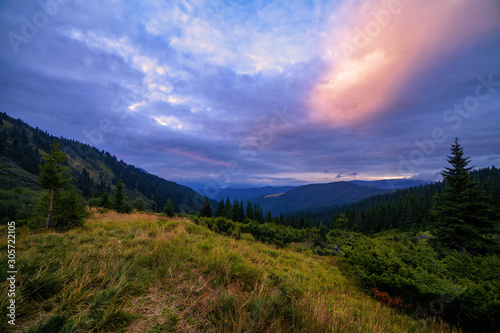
383,46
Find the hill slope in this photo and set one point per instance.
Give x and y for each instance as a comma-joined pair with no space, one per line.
145,273
21,149
315,196
392,184
250,193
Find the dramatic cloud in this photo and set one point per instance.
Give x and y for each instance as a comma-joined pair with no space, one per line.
387,43
225,93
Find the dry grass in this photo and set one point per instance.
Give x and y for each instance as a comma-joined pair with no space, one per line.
146,273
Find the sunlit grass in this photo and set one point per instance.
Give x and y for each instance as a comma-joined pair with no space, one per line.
146,273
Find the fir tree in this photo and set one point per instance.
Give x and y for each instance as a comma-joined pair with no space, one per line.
236,210
229,210
53,176
250,214
206,211
105,202
169,209
462,216
119,203
3,141
85,183
220,211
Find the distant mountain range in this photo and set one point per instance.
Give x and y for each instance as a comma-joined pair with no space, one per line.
287,199
316,196
392,184
246,194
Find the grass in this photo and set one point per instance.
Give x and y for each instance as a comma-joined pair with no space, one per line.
147,273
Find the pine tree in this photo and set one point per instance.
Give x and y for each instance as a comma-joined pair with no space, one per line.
220,211
105,202
206,211
3,141
119,203
236,210
462,216
229,210
250,214
169,209
53,176
85,183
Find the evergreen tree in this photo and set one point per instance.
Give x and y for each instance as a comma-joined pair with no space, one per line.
340,222
169,209
53,176
462,216
221,209
236,210
229,210
250,214
206,211
119,203
105,202
85,183
241,213
269,217
3,141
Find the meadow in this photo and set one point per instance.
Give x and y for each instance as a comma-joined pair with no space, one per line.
145,272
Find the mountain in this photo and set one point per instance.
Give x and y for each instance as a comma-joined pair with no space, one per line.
404,208
392,184
93,171
250,193
316,196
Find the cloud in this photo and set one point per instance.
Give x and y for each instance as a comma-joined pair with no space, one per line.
189,88
427,176
384,45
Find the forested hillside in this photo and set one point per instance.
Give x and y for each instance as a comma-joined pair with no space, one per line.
93,171
404,209
315,196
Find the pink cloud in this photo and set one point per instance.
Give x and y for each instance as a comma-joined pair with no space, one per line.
383,44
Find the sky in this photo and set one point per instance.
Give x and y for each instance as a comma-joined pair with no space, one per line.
228,93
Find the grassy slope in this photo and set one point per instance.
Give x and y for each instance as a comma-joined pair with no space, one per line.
146,273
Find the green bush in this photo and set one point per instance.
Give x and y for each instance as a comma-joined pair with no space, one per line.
17,204
460,287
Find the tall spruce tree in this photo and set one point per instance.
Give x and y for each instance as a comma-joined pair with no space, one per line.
462,215
53,176
206,211
250,214
169,208
229,210
221,209
119,202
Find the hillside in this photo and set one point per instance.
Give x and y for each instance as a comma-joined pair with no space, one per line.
404,208
392,184
147,273
316,196
248,194
93,171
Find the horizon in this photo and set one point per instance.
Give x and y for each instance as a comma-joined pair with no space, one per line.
261,93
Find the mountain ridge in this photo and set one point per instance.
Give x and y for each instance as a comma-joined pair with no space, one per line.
21,149
315,196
